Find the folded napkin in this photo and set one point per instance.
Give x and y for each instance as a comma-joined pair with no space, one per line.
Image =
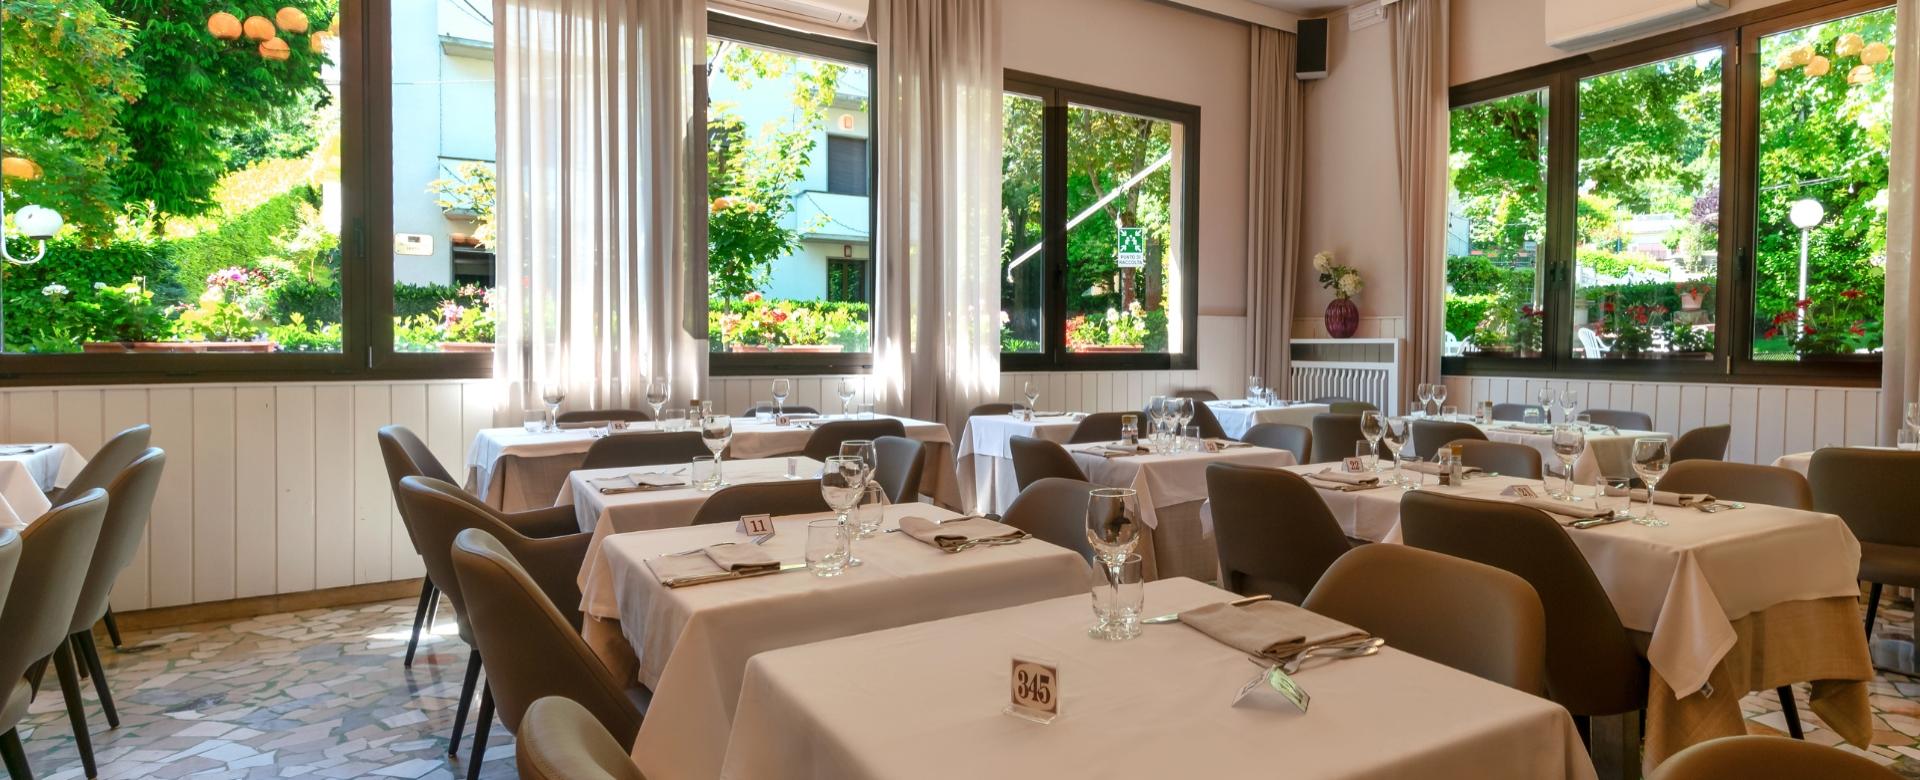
1343,478
1667,498
637,481
1528,428
1273,629
1425,467
1564,511
1226,444
953,534
714,562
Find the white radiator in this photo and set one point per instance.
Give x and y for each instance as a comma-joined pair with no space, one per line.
1360,369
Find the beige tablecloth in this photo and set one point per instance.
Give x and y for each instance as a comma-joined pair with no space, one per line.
1237,416
924,701
1608,454
1172,489
985,464
1802,461
693,643
27,471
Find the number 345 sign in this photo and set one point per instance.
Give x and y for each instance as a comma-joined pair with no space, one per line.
1035,690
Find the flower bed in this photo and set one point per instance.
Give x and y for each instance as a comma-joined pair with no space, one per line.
757,324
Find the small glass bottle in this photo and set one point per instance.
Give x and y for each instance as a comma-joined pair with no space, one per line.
1130,430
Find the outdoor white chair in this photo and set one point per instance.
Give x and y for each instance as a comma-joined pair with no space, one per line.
1455,347
1591,346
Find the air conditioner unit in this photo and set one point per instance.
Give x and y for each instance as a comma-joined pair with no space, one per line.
1580,24
839,14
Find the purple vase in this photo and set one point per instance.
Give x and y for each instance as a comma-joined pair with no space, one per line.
1343,318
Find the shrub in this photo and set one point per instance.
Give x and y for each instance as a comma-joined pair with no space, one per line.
297,336
755,321
42,323
243,240
412,300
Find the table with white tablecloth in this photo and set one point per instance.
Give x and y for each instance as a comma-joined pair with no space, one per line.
27,472
1609,450
692,644
925,701
1238,416
1171,491
984,462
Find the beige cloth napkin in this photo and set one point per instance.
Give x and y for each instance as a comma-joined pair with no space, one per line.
951,534
1274,629
714,561
1563,511
1528,428
638,481
1343,478
1667,498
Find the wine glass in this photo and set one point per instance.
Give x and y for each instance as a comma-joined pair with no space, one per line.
781,387
1545,396
1913,415
716,431
1569,401
1031,390
1112,532
553,394
1373,426
658,392
1156,417
1424,392
862,449
1256,389
1440,395
846,393
842,483
1182,413
1651,456
1393,433
1569,441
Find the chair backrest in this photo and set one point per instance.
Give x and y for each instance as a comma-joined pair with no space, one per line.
1037,459
1770,485
1757,757
1351,407
901,462
1624,419
1516,412
437,511
1333,437
1593,667
55,550
9,561
645,448
792,497
1054,510
112,458
1467,615
1858,485
1197,395
1202,416
1281,436
989,409
129,505
1273,532
530,648
825,441
1331,400
1505,458
1590,345
560,740
784,408
1430,435
407,456
602,416
1707,442
1101,426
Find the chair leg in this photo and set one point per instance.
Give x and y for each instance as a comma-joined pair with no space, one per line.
38,673
1792,711
419,617
433,611
15,755
1873,606
466,700
480,729
83,644
113,629
76,707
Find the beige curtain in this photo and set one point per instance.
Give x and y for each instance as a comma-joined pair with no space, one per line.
1275,157
600,252
1419,36
937,289
1900,371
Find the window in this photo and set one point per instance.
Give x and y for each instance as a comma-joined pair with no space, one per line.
1098,189
1670,209
789,172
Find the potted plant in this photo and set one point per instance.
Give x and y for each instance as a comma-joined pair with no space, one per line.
1692,295
1343,317
126,319
1846,324
1686,340
1529,329
1631,328
1114,332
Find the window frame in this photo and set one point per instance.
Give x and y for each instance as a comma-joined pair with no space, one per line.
1056,96
1732,363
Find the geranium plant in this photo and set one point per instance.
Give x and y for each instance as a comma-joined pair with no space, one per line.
1846,324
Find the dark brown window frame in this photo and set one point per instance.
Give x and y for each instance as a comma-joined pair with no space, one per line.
1732,363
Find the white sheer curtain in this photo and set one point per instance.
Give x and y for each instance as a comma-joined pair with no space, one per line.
937,292
1420,142
599,151
1275,161
1900,371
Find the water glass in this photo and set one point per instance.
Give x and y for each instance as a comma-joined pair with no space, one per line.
1651,457
866,411
1449,413
1191,438
1907,439
1110,528
864,450
1119,598
535,421
1569,442
763,412
1615,497
1368,455
703,473
827,546
674,420
871,511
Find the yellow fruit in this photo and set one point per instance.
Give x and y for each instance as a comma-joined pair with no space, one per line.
1784,61
1801,54
1767,77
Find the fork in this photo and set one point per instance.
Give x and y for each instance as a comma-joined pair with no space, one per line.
1336,650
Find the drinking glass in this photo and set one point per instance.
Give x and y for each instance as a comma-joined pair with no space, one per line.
1651,456
1368,455
1031,390
1372,426
1393,433
762,411
1182,411
658,391
827,547
871,511
553,395
864,410
535,421
1424,392
1531,416
1110,529
1913,415
1568,442
846,393
1156,414
1190,438
1615,496
843,483
1449,413
1256,389
1119,599
862,449
1545,396
1569,401
1440,396
1906,439
675,420
715,432
781,387
701,473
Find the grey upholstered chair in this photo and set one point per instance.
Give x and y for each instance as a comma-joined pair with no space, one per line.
1036,459
100,471
1770,485
1623,419
1516,412
1054,510
1858,485
645,448
1755,757
1430,435
986,409
1281,436
1467,615
902,461
560,740
1593,667
129,505
1501,457
791,497
1210,427
598,417
14,756
1272,531
1351,407
1334,436
1707,442
826,439
533,648
55,550
1101,426
1199,396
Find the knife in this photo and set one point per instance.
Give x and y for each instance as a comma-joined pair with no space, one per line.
1175,617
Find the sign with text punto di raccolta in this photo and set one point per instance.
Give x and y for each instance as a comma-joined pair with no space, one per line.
1132,248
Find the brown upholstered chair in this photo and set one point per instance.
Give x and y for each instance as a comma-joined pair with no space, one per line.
1707,442
1054,510
1593,668
599,417
533,647
1037,459
1856,484
1755,757
10,749
1351,407
1769,485
55,550
1199,396
825,441
901,463
1101,426
1334,436
792,497
1281,436
1202,416
1332,399
1430,435
436,512
785,408
1467,615
986,409
129,505
1273,532
560,740
648,448
106,464
1500,457
1516,412
1623,419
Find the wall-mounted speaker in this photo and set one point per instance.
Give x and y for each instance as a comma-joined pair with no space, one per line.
1310,50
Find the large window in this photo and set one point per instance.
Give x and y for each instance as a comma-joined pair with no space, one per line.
1099,259
1669,209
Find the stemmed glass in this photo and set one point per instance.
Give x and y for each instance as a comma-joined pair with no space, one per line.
553,394
1569,401
1032,391
1156,418
842,483
1568,442
658,391
1373,426
781,387
1182,409
1256,390
1439,396
1424,392
1394,434
846,394
1651,456
862,449
1545,396
1913,416
715,432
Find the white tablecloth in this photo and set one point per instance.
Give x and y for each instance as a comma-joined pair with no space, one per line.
693,643
1171,490
1237,416
27,471
925,701
515,471
985,464
1609,454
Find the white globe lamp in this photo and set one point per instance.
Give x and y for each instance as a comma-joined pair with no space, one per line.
1806,213
37,222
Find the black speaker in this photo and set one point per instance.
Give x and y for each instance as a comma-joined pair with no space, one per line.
1310,50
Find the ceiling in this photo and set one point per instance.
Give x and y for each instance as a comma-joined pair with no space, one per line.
1304,7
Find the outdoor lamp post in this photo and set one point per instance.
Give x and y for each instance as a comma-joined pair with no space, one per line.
1805,214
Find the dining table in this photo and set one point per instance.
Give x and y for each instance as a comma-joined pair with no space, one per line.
983,458
1170,491
1608,452
1237,415
27,472
929,701
691,645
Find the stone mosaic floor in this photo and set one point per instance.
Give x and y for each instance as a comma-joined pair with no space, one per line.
321,693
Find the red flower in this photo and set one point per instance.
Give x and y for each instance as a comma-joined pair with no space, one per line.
1772,332
1607,307
1850,294
1810,331
1804,303
1782,317
752,297
777,315
1857,330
